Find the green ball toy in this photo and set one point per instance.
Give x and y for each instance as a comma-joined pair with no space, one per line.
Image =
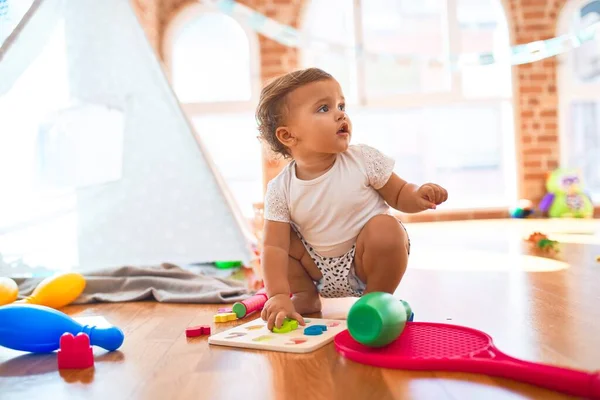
377,319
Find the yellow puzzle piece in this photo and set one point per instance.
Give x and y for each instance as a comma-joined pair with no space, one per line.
224,317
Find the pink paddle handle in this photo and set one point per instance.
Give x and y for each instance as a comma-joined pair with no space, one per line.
255,303
568,381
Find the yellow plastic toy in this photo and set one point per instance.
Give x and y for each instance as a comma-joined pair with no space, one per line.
57,291
8,291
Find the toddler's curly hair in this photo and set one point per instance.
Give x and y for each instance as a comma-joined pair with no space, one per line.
271,109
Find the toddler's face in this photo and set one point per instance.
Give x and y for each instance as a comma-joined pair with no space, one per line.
317,118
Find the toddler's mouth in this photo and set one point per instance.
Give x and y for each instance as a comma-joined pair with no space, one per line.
343,130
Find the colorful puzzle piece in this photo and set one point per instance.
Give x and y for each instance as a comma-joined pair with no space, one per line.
315,330
225,317
288,325
75,352
197,331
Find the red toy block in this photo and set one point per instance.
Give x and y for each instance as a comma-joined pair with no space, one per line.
197,330
75,352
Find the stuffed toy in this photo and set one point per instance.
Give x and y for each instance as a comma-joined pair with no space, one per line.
565,197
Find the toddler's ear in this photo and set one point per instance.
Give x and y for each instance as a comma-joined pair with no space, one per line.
285,136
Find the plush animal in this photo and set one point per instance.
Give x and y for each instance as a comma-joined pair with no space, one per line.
565,197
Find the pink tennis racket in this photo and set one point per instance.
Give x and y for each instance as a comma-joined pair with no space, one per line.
428,346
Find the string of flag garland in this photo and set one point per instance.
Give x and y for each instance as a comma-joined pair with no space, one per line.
516,55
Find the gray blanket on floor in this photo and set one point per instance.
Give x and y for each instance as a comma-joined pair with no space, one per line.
164,283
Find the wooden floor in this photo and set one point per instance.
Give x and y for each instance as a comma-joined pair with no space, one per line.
471,273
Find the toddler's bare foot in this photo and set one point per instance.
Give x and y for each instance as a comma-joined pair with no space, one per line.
306,302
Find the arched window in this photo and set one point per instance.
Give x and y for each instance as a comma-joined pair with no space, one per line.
213,64
441,123
579,96
211,61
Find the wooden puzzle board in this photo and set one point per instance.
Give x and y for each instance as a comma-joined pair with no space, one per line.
255,335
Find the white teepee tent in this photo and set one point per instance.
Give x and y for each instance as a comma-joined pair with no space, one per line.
98,165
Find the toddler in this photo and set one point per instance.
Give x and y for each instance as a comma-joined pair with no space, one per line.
328,227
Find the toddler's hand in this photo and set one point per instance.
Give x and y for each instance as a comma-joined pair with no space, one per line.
430,195
277,308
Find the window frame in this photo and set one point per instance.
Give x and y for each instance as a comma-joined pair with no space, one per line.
436,98
569,89
173,28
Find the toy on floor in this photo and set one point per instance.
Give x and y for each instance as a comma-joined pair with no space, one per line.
428,346
200,330
377,319
8,291
55,291
523,209
38,329
244,308
541,242
225,317
565,197
250,305
75,352
255,335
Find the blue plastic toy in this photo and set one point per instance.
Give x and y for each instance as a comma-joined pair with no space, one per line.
37,329
315,330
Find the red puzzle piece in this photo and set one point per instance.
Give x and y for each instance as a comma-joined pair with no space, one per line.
75,352
197,331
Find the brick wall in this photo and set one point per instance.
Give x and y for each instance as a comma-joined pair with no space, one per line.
535,93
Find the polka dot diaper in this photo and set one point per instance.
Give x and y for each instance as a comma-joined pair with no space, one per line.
339,276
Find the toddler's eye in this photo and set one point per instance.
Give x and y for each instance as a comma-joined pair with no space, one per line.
342,107
324,108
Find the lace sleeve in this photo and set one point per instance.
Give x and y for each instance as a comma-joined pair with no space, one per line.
379,166
275,208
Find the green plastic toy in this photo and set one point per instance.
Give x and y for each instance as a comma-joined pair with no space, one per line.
228,264
377,319
566,197
288,325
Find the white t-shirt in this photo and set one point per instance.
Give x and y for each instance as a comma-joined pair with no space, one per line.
331,210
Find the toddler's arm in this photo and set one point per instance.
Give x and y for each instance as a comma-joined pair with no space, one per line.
276,247
410,198
275,259
399,194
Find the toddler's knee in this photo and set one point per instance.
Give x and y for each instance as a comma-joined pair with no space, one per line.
386,234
